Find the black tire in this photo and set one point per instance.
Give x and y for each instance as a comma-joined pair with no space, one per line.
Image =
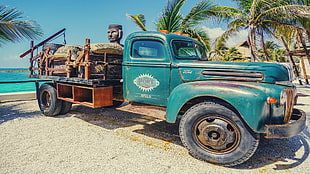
213,132
117,103
47,100
65,107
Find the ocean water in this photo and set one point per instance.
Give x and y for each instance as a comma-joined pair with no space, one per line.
15,76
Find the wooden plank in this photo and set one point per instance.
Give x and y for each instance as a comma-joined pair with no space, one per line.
102,96
143,109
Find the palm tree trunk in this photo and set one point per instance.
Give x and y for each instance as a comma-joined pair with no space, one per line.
268,57
252,43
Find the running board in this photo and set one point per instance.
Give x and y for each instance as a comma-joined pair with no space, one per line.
143,109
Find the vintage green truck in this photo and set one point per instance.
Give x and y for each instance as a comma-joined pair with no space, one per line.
223,107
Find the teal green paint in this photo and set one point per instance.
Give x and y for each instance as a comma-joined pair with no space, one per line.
249,99
180,80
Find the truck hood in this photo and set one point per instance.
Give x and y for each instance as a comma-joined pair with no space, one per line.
252,71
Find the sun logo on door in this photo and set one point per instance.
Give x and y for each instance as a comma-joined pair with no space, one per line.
146,82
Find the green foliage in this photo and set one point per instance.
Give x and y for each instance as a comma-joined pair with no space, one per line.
277,54
172,20
13,29
263,17
139,20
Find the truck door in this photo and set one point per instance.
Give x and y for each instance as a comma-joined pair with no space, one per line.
146,72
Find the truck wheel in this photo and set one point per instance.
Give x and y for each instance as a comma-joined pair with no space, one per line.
117,103
65,107
47,99
214,133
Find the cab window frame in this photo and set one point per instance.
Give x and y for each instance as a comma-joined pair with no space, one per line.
161,50
198,55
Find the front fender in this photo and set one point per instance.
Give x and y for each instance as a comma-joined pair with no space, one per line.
248,98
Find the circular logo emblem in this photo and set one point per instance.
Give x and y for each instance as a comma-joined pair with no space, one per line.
146,82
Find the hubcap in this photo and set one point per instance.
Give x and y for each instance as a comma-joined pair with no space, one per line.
216,134
45,100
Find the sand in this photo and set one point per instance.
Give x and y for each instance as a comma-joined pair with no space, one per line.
109,141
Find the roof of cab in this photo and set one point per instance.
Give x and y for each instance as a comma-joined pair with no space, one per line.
157,34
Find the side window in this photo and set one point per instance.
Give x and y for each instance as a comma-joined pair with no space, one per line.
201,52
147,49
183,49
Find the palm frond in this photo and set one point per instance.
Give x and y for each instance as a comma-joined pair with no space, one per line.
225,14
139,20
13,30
171,18
234,28
286,13
200,12
201,35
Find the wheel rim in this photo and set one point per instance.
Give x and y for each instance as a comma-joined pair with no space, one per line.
216,134
46,100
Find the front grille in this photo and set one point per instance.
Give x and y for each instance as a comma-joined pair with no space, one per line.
289,104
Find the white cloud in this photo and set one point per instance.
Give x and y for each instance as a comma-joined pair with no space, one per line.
232,41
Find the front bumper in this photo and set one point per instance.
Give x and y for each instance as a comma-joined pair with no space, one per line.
290,129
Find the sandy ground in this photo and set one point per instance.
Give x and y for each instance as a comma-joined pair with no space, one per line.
111,141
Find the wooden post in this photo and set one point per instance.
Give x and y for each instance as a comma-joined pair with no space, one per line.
31,56
291,60
302,40
68,66
47,62
302,61
105,77
87,65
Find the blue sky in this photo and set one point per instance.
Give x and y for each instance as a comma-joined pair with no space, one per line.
89,19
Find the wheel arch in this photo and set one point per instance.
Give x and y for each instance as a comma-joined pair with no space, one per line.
200,99
249,102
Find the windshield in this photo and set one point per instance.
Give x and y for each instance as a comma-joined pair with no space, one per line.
183,49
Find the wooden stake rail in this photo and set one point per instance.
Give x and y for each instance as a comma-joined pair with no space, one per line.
44,63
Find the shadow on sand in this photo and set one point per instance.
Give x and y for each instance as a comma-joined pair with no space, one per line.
283,153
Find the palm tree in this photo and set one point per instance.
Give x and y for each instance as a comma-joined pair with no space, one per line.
172,20
274,52
139,20
12,29
263,17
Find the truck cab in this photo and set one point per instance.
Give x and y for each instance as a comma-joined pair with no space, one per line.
223,106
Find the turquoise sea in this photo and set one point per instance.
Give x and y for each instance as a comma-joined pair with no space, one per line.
15,76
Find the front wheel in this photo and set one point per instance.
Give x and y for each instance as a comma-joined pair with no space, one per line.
213,132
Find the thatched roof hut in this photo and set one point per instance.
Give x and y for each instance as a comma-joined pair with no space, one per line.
244,49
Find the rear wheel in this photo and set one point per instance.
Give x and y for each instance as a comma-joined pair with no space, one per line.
47,100
65,107
213,132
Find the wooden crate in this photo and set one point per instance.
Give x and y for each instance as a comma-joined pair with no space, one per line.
87,96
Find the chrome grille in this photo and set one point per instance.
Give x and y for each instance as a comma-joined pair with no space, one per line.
289,104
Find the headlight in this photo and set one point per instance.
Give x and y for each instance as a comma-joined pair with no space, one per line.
290,71
283,97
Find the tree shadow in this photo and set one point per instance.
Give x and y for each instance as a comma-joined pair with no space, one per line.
283,153
10,110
